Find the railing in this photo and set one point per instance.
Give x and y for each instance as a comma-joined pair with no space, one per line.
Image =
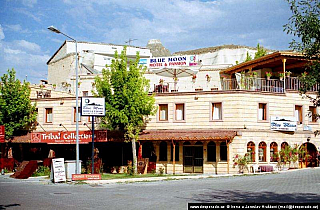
250,84
264,85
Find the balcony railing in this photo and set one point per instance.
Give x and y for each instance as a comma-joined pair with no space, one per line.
249,83
264,85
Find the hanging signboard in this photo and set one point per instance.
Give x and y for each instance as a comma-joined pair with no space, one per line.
283,123
91,106
58,173
172,61
2,136
68,137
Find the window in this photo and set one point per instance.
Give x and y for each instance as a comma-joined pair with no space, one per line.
179,112
312,114
74,114
211,152
163,151
273,152
216,111
223,151
85,93
176,154
262,151
262,114
251,150
298,114
284,145
48,115
163,112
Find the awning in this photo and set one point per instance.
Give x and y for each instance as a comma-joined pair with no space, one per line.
188,135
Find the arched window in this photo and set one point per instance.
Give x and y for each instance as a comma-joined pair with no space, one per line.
284,145
223,151
262,151
251,150
163,151
273,152
211,151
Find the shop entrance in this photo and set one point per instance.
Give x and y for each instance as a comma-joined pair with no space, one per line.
192,158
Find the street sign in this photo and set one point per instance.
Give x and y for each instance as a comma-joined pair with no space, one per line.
58,170
91,106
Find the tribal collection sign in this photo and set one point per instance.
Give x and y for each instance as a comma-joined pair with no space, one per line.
68,137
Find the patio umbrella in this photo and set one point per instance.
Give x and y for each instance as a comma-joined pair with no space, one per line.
176,72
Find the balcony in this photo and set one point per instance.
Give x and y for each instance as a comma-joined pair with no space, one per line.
264,85
248,84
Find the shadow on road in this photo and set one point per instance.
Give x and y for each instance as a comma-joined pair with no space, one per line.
9,205
255,197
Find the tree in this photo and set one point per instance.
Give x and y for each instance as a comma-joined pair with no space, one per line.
17,113
248,58
305,25
260,52
127,100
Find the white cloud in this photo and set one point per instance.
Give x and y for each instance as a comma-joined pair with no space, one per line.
30,46
11,51
29,3
17,28
34,16
1,33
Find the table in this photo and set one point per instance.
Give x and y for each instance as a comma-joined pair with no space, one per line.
266,168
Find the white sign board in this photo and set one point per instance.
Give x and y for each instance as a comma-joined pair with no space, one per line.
283,123
58,170
172,61
91,106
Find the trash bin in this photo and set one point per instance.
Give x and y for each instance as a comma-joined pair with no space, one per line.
70,166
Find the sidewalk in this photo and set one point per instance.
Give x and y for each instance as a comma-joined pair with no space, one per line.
148,179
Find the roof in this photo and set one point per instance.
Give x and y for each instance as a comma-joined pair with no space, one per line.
273,60
100,43
188,135
212,49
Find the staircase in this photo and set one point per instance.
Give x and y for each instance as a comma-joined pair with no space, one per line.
25,169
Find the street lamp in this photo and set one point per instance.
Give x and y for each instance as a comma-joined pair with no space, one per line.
55,30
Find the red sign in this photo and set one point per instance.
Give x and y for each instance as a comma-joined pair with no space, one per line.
68,137
2,134
77,177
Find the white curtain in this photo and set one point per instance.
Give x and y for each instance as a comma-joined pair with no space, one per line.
216,115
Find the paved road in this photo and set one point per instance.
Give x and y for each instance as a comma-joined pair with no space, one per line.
298,186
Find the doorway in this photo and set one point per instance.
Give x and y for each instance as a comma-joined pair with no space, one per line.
193,158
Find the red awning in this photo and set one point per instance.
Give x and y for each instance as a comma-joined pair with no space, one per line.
188,135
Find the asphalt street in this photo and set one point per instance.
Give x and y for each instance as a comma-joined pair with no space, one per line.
297,186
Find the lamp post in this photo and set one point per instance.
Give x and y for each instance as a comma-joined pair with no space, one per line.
55,30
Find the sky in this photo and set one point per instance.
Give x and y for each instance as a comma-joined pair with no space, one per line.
26,44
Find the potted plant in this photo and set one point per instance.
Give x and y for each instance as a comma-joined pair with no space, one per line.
255,74
241,162
175,79
54,86
161,81
288,73
281,76
268,74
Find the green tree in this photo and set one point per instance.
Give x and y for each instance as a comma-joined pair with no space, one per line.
304,24
260,52
248,58
127,101
17,113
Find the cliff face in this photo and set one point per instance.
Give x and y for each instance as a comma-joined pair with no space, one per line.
157,49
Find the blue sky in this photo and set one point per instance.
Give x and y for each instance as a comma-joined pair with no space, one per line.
26,44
